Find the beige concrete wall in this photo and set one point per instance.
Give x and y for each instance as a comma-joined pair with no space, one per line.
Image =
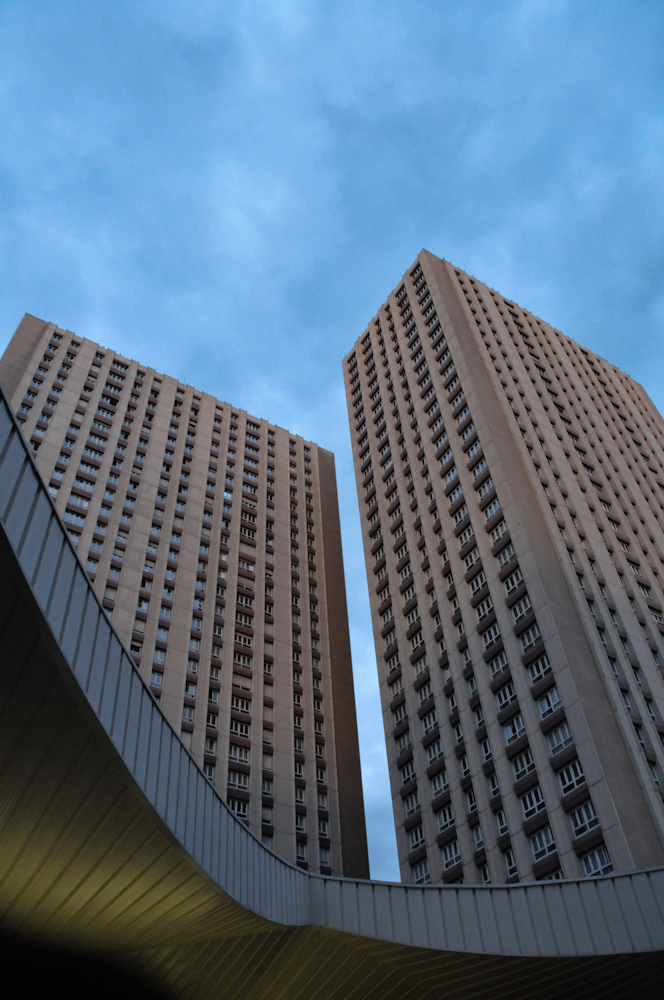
507,364
247,500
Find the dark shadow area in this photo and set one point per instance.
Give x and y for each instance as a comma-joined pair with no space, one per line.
31,970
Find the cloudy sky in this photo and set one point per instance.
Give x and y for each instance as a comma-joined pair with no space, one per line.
228,191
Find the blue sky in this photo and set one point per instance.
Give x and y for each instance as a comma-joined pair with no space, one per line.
228,191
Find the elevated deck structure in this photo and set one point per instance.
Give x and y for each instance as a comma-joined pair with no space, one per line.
114,844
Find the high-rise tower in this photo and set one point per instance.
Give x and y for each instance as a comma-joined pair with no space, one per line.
213,539
511,490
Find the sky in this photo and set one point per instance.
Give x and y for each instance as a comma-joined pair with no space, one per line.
229,191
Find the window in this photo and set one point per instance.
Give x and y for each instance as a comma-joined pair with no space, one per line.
445,818
407,772
484,608
451,855
514,729
491,635
416,837
530,637
505,556
549,702
413,616
510,863
505,695
532,802
571,776
465,536
397,687
411,804
240,705
238,780
416,641
559,738
420,872
513,581
523,764
539,668
583,819
301,852
521,608
638,729
498,532
501,822
542,843
78,519
597,862
492,509
239,808
236,728
498,663
429,722
472,558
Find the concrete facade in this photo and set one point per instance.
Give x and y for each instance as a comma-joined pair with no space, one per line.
511,490
212,539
